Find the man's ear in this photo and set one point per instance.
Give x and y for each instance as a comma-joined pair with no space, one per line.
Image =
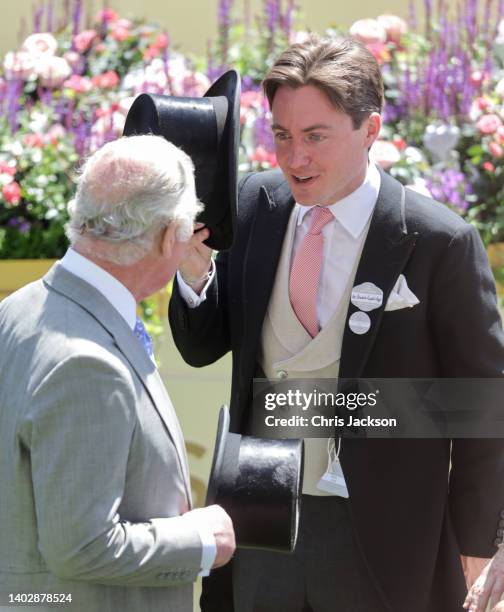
373,128
168,239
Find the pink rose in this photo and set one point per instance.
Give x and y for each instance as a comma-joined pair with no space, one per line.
385,153
120,33
78,84
41,43
83,40
52,71
499,134
488,124
106,80
20,65
12,193
108,15
33,140
151,52
495,149
395,27
368,31
161,41
6,169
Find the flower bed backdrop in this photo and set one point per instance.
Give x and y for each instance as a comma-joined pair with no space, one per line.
67,88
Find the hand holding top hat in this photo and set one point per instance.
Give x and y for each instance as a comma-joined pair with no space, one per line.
208,130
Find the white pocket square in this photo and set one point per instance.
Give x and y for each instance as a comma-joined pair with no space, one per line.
401,296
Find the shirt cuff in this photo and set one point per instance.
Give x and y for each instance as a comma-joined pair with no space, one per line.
190,297
208,547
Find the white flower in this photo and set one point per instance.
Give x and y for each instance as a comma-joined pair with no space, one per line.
394,26
42,181
420,186
52,71
36,156
38,122
384,153
499,88
368,31
19,65
5,179
414,155
41,43
15,148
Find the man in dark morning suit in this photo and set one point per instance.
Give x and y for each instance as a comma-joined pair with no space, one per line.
395,539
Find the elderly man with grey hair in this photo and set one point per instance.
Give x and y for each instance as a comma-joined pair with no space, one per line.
95,505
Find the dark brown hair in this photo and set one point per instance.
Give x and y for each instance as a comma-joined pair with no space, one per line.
344,69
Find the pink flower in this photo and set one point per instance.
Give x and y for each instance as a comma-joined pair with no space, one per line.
108,15
489,167
161,41
120,32
55,133
106,80
499,134
151,52
251,99
33,140
78,84
12,194
477,77
368,31
380,52
395,27
488,124
20,65
83,40
41,43
52,71
73,58
385,153
262,156
495,149
6,169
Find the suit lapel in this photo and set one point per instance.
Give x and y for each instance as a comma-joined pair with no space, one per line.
386,252
105,314
261,261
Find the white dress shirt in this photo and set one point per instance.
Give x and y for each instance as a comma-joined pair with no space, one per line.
123,301
343,239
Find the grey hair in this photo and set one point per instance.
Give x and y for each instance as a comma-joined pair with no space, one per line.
127,192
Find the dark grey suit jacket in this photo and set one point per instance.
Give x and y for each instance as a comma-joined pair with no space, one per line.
410,521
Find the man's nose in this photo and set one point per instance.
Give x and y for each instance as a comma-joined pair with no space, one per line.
298,157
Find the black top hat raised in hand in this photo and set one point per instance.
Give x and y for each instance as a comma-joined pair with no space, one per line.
258,482
208,130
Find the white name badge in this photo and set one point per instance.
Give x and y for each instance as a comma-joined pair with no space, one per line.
359,323
367,297
333,481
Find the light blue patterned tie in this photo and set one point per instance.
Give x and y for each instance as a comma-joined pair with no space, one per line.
141,333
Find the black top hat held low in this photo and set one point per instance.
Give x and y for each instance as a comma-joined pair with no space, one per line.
208,130
258,482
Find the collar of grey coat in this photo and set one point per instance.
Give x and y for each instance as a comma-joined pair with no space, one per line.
386,252
96,305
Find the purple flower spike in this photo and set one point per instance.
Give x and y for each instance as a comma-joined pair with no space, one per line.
37,18
76,17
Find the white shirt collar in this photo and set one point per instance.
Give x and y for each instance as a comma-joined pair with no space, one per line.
353,211
116,293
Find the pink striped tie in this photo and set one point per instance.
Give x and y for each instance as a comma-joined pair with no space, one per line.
305,271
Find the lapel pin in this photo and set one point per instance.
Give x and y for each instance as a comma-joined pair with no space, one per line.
359,323
367,297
